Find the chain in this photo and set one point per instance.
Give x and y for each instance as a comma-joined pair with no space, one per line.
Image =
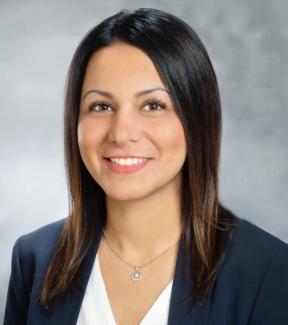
134,264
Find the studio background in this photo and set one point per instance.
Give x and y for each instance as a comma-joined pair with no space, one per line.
248,45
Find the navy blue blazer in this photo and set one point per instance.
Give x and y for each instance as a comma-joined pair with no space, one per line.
251,287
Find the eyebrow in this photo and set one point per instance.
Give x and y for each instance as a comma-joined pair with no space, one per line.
110,95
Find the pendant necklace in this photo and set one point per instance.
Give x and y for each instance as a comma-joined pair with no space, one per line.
137,275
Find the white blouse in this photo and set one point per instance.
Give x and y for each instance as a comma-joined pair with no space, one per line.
96,308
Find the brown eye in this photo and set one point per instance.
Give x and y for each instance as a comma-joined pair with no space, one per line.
155,106
98,107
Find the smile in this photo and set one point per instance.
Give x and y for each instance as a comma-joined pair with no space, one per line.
126,165
128,161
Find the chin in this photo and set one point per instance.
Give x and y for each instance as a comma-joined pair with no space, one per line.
127,194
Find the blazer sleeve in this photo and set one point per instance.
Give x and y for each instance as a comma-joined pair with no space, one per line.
17,295
271,304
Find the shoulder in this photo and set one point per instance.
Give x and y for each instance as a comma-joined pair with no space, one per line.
42,238
254,275
30,257
251,255
267,257
251,243
32,252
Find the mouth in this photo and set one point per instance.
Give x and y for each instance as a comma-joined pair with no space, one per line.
126,157
126,165
131,160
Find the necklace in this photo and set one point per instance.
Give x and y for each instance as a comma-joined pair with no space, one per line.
137,275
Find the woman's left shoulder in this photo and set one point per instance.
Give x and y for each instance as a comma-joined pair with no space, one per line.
250,248
254,275
252,243
261,261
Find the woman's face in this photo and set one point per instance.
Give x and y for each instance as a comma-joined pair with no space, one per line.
129,123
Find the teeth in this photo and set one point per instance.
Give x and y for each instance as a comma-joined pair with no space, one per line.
127,162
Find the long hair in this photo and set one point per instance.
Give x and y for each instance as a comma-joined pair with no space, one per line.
185,68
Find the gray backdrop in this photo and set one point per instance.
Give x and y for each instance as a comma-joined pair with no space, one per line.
248,44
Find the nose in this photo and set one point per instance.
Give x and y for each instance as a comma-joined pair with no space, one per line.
124,127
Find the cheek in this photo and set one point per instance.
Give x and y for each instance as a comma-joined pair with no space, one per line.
89,132
84,136
179,136
89,137
171,137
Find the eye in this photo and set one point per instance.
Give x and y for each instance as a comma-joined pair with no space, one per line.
102,107
154,106
159,105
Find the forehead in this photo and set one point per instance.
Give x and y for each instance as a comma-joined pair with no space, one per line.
121,66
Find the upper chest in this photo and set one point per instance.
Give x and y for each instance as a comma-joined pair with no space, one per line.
131,300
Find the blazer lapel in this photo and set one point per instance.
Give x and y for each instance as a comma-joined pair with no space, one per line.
180,313
68,308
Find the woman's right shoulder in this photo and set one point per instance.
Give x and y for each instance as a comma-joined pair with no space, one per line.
39,241
30,257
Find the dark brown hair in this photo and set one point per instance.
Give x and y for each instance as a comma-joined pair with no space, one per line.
185,68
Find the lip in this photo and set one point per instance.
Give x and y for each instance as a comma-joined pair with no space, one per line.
125,169
126,156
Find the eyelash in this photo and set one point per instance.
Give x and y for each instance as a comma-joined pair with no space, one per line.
157,102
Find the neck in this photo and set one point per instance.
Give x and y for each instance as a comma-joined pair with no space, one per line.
144,228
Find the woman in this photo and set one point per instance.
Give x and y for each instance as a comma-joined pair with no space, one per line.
146,240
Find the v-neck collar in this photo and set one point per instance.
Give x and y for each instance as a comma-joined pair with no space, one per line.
99,277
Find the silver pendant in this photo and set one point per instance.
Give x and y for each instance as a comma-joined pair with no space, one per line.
136,275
